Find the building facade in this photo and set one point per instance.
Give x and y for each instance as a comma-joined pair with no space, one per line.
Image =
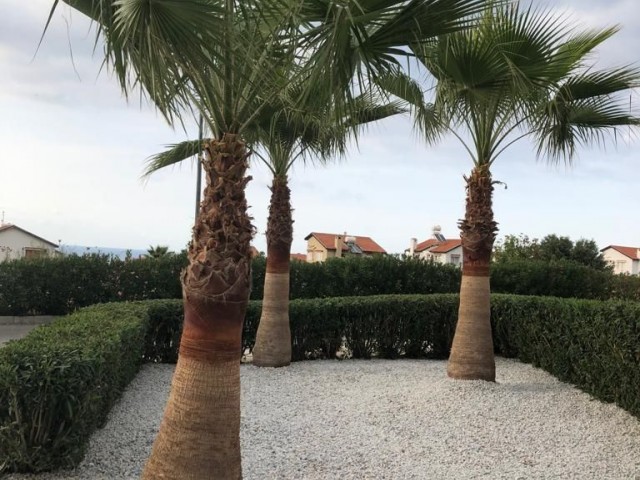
321,246
624,260
16,243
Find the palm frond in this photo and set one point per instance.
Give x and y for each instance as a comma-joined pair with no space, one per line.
174,154
349,44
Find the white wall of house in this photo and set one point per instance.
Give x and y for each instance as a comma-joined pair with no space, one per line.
16,244
453,256
621,263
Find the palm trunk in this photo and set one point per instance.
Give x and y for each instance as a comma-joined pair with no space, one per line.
273,340
199,437
472,350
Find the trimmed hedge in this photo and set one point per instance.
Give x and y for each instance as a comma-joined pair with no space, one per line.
593,345
58,384
59,286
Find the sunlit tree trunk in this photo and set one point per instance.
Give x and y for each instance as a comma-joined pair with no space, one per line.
273,339
199,437
472,350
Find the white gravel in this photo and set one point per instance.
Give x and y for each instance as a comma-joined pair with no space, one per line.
385,419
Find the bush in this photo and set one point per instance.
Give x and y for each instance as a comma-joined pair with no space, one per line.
60,285
593,345
362,276
562,278
57,286
58,384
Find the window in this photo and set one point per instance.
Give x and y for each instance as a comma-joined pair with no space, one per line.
455,259
621,266
34,252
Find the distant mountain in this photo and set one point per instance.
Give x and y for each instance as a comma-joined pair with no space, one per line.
117,252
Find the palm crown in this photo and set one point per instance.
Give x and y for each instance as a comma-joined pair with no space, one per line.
520,73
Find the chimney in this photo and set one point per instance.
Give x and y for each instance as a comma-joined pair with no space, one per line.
338,245
412,246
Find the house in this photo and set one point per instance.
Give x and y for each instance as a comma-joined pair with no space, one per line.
321,246
437,249
16,242
300,257
623,259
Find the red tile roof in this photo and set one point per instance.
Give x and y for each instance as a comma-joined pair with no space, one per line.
435,246
299,256
426,244
328,241
631,252
9,226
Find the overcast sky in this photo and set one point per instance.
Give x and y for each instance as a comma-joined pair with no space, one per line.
72,151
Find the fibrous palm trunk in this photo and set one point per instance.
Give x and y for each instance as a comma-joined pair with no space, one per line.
199,437
273,339
472,350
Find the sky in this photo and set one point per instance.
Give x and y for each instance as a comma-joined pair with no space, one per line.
72,151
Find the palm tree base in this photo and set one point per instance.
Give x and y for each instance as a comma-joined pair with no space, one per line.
273,338
199,437
472,355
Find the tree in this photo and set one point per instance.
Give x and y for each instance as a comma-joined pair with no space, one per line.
517,73
224,58
285,136
550,248
516,248
587,252
158,251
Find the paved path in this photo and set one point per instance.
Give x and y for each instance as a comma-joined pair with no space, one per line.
12,332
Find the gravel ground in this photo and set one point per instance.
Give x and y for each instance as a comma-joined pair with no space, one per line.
382,419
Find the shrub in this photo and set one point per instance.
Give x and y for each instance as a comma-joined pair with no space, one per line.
58,384
562,278
593,345
376,275
57,286
60,285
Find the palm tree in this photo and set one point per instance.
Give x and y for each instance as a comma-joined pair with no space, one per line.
517,73
223,59
158,251
288,138
286,135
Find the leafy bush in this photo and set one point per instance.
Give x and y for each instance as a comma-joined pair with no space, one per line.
60,285
593,345
58,384
355,276
561,278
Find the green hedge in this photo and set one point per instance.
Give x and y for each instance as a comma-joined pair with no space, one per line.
593,345
58,384
61,285
562,278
